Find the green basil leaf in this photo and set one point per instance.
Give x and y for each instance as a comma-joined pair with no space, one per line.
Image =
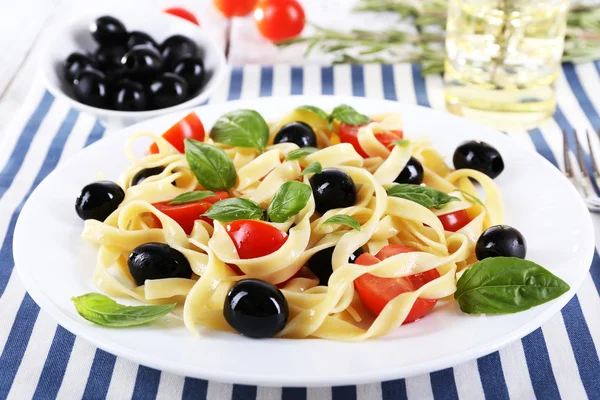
504,285
313,168
228,210
103,310
346,114
425,196
401,142
241,128
472,198
289,200
343,219
192,196
212,167
300,153
315,110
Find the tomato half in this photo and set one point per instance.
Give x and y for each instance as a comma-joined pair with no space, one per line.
235,8
279,20
254,239
454,220
183,13
190,127
349,134
187,213
389,138
391,250
376,292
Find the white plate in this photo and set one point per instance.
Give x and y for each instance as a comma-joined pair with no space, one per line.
55,264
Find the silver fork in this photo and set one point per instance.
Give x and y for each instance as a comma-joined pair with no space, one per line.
581,178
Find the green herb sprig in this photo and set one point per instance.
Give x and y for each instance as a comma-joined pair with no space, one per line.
582,42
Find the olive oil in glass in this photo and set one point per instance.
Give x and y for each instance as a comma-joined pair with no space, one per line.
503,57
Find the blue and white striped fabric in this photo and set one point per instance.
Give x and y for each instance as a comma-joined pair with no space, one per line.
42,360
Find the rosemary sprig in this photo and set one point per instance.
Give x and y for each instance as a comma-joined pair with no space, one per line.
360,46
582,42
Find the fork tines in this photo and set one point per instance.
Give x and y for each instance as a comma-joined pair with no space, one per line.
581,178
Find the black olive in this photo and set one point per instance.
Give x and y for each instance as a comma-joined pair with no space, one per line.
145,173
108,31
108,59
157,261
142,61
256,308
98,200
332,189
175,47
91,87
501,241
129,96
412,173
479,156
168,90
355,255
297,132
74,63
192,70
320,263
136,37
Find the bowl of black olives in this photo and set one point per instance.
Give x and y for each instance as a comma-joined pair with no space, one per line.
125,67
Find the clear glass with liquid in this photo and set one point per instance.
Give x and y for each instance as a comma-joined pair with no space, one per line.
503,57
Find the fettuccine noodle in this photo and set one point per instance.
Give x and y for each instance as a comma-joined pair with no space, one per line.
331,312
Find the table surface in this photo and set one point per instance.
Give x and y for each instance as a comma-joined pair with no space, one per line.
17,74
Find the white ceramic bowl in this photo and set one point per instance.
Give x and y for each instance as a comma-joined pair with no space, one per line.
71,33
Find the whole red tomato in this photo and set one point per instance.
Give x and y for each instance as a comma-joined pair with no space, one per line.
279,20
235,8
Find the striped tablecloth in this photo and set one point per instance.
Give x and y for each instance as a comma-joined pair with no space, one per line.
42,360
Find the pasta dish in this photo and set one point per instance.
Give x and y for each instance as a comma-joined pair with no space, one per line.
327,225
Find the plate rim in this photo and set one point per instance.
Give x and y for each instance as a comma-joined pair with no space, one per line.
364,377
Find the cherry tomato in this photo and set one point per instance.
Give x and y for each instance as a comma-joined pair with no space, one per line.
389,138
183,13
254,239
236,269
190,127
376,292
279,20
235,8
349,134
391,250
185,214
455,220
